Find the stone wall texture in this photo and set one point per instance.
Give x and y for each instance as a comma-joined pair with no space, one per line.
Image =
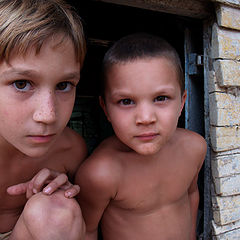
224,106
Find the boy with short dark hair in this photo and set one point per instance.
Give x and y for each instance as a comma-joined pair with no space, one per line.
141,183
42,49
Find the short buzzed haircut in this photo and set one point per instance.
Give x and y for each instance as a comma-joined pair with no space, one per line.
141,46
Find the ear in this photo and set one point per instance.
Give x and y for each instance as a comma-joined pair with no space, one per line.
183,100
103,106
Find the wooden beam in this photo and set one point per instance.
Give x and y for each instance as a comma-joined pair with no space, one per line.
191,8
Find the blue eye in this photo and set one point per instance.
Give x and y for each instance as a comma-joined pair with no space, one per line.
126,101
64,86
160,98
22,85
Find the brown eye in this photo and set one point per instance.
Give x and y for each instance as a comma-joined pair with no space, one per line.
160,99
64,86
22,85
126,101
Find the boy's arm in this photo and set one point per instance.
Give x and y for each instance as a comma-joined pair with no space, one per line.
199,149
98,187
193,195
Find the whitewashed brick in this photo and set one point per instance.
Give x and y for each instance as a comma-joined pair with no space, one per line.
224,138
214,155
224,101
228,17
213,85
226,216
227,72
226,209
227,186
224,109
225,166
232,235
218,229
225,43
225,203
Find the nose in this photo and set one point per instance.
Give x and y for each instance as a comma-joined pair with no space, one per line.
145,115
45,108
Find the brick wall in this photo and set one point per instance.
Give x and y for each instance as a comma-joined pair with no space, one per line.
224,106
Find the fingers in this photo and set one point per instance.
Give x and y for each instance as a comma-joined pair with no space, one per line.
30,190
37,183
47,181
72,191
51,178
18,189
61,181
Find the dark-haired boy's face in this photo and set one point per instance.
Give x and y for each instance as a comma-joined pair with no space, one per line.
37,94
143,102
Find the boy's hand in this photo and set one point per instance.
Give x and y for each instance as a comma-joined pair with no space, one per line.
47,181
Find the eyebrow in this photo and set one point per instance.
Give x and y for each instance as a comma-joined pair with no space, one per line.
33,73
73,75
20,72
161,90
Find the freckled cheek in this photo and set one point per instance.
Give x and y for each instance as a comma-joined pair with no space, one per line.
11,124
12,114
65,110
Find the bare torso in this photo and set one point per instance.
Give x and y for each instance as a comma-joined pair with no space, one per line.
151,201
22,168
172,222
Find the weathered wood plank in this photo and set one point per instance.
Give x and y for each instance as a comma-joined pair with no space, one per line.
195,8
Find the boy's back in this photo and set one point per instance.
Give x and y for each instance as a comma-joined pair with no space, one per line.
148,193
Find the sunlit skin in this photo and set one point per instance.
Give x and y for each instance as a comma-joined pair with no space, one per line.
37,93
36,100
143,106
142,182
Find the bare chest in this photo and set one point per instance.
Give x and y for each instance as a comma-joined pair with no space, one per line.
150,190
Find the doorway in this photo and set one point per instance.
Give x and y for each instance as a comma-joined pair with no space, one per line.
104,23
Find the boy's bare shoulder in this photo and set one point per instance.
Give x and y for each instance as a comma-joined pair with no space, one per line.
191,144
190,137
102,169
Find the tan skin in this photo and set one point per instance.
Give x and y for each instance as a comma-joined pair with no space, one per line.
142,183
23,169
38,151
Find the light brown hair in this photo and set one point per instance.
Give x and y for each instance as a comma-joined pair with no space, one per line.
28,23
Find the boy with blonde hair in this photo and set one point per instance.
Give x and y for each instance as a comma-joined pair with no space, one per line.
141,183
42,49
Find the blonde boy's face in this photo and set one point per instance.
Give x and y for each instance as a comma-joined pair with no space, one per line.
143,103
37,94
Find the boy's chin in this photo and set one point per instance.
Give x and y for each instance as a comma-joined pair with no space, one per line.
34,152
147,150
